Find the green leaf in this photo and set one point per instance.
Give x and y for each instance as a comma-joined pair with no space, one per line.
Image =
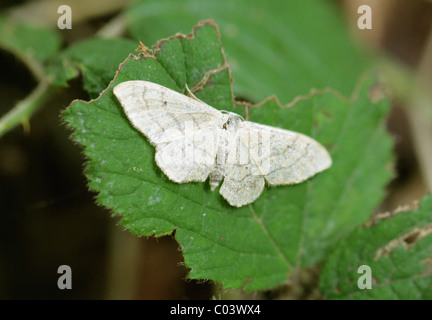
35,42
273,47
398,251
97,60
328,206
255,246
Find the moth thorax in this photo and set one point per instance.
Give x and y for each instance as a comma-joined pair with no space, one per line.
232,123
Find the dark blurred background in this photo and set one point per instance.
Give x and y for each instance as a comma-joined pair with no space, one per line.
48,217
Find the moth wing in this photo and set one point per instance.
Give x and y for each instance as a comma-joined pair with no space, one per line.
161,114
282,156
175,124
241,187
188,158
243,182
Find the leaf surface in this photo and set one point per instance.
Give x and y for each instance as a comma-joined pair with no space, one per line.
399,252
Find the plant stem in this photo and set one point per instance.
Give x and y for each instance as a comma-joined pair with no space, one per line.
411,87
420,117
22,111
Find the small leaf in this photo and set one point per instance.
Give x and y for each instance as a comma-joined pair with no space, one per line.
24,39
288,227
97,60
398,251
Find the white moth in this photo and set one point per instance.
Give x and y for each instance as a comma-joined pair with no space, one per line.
195,141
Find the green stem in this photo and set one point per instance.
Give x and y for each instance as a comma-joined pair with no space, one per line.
406,86
21,113
23,110
411,88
